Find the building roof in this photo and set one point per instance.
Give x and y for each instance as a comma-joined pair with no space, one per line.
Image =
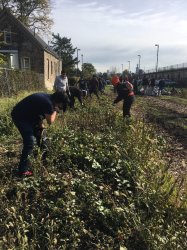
31,34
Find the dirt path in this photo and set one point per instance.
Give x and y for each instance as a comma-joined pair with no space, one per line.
180,109
177,143
168,114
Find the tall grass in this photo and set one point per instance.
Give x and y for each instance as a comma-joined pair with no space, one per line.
104,185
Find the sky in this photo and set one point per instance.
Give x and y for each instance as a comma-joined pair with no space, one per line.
112,33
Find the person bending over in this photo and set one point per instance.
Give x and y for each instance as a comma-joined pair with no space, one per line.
125,93
75,92
28,116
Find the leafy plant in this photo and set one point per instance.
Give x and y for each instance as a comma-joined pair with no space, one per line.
105,184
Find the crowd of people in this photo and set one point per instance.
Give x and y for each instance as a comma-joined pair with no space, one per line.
147,86
29,114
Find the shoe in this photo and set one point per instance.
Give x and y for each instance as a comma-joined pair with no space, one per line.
25,173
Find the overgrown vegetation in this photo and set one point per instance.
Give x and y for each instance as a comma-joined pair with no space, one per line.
105,185
12,82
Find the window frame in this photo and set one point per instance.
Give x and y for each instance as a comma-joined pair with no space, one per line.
7,36
24,62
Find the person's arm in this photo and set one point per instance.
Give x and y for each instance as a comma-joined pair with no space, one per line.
67,87
67,84
118,99
129,86
50,118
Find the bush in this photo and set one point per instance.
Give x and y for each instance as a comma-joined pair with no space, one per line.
14,81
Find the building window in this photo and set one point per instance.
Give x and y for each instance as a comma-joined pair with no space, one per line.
47,68
55,68
26,63
7,37
51,68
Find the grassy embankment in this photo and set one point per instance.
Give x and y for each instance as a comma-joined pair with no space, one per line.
105,185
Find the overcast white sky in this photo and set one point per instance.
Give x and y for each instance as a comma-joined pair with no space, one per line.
112,32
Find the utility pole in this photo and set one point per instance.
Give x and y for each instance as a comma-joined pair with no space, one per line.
157,45
82,63
139,66
122,67
77,60
129,65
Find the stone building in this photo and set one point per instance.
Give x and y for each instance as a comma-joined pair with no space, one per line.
25,50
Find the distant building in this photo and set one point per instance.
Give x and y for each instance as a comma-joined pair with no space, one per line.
25,50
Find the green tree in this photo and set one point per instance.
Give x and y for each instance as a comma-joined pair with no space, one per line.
4,4
2,60
64,48
34,14
88,69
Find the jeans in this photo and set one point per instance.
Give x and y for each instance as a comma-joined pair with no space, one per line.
26,130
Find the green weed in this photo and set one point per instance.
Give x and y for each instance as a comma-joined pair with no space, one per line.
105,184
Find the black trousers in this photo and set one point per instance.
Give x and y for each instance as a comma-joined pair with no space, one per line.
93,91
127,103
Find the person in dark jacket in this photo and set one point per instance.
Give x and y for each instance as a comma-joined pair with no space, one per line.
135,85
94,86
75,92
161,86
28,116
83,86
145,84
152,85
125,93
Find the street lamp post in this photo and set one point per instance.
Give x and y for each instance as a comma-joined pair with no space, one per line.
129,65
139,66
157,45
82,62
77,60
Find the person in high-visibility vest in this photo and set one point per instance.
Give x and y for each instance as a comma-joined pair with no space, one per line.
115,81
125,92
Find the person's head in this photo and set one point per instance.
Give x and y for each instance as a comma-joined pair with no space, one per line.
60,99
63,73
